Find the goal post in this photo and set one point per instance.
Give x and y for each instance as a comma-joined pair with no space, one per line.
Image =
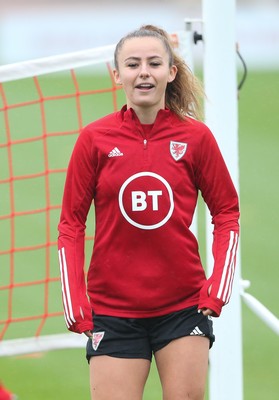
47,65
221,115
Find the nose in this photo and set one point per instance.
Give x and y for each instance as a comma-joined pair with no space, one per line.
144,72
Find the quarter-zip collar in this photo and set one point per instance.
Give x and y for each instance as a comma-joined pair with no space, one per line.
163,120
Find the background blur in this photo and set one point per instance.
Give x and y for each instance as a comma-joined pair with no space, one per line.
38,28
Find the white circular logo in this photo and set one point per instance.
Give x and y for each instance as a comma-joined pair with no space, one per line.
146,200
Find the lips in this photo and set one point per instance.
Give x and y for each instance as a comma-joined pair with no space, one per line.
145,86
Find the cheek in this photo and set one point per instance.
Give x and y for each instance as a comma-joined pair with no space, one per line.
126,85
128,82
163,81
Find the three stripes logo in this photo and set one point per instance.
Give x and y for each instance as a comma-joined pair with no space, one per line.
197,332
225,288
67,301
115,153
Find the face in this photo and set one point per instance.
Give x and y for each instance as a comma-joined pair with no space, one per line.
144,72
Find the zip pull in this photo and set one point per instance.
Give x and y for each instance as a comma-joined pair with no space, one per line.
145,144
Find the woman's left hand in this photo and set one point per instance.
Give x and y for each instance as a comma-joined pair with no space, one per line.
206,311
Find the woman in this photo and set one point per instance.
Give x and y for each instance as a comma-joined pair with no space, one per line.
144,166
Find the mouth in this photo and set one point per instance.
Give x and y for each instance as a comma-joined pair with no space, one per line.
145,86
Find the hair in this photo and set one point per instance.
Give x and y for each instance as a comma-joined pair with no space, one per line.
185,92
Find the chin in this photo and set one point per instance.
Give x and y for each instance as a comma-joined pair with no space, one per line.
146,103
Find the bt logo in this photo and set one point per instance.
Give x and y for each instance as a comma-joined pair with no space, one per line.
139,202
146,200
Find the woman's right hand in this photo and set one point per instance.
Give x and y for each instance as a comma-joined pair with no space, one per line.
88,334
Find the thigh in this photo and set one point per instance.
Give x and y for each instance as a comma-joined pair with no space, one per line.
117,378
182,367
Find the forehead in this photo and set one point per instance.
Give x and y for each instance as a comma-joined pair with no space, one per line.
143,47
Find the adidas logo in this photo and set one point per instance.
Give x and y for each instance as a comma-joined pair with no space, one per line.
197,332
115,153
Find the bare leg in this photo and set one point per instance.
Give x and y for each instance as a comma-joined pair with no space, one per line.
182,367
117,378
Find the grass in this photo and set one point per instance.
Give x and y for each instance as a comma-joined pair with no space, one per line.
64,373
259,191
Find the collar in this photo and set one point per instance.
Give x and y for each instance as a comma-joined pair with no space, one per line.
164,116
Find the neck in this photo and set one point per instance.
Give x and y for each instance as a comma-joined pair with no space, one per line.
146,115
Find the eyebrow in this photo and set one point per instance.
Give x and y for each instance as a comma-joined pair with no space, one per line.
139,58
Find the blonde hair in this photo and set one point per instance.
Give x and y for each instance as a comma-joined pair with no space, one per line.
184,93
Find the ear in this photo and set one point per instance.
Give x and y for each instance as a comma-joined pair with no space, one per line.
172,74
116,77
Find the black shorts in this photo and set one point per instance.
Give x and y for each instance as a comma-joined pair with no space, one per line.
140,337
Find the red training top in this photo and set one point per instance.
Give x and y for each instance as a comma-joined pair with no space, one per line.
145,260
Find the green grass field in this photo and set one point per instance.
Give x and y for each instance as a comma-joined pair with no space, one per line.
63,374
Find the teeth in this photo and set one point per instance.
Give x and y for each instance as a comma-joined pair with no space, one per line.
145,85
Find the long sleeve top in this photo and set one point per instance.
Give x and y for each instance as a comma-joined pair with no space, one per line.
145,259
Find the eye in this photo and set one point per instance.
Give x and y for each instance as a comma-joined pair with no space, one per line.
155,63
132,65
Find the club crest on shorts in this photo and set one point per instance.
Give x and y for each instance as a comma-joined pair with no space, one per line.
177,150
96,339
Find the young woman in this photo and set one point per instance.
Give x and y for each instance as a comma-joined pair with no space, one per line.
143,166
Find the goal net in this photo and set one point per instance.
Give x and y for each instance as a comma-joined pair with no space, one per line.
44,104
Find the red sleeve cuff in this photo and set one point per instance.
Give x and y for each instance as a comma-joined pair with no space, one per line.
81,327
207,301
213,304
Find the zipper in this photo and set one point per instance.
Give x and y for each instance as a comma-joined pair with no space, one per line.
145,144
